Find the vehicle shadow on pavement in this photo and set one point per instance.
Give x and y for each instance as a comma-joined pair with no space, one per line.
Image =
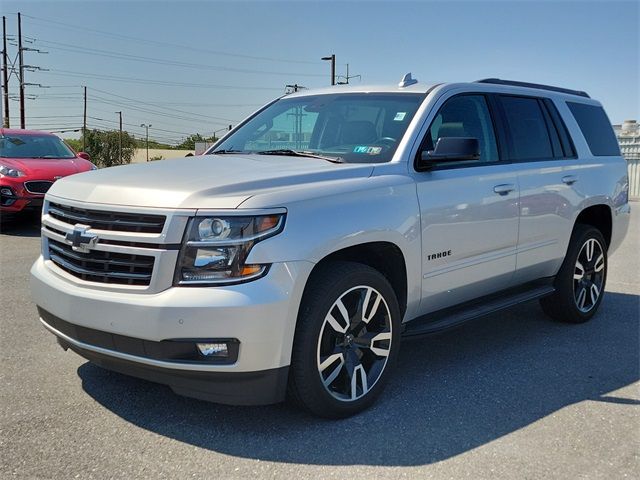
26,225
450,393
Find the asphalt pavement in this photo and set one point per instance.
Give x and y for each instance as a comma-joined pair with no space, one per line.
511,396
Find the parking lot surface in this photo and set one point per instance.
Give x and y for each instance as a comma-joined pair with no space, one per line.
513,395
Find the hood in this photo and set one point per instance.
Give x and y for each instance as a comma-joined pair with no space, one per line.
208,181
46,168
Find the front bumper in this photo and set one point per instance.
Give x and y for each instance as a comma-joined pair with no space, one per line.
20,200
261,315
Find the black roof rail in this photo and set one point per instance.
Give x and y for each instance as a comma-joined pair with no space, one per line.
499,81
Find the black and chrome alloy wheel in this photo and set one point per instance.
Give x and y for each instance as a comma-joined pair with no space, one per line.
346,341
354,343
588,276
580,282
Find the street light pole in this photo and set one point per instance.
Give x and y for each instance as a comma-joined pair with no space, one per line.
332,58
147,128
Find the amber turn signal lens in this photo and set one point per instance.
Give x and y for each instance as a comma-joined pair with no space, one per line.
267,222
250,270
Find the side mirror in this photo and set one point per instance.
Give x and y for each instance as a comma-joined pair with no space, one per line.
451,149
84,155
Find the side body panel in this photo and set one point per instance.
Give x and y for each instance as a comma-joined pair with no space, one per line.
477,229
555,192
382,208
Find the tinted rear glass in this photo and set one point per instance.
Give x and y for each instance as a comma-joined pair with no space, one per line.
528,129
596,128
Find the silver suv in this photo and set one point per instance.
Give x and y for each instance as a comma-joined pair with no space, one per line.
292,257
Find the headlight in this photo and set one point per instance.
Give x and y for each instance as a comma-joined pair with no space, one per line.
215,249
10,172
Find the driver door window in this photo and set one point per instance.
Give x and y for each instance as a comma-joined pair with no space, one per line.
464,116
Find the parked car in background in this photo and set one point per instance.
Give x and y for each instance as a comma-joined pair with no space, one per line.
30,161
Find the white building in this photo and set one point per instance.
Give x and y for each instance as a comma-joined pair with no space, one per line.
629,139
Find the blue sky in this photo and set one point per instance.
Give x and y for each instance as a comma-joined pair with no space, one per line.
191,67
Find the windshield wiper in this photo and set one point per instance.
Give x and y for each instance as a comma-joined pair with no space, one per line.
299,153
224,152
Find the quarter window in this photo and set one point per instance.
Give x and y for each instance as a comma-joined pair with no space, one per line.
527,128
464,116
596,128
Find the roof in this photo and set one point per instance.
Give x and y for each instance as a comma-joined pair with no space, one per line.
353,88
17,131
488,85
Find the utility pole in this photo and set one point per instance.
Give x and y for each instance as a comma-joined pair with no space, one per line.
5,75
84,122
120,138
147,127
348,77
332,58
21,70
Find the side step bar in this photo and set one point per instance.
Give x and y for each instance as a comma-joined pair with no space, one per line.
452,317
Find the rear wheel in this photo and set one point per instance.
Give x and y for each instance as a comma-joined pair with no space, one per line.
581,280
346,341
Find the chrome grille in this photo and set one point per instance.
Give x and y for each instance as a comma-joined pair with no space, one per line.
101,266
40,187
105,220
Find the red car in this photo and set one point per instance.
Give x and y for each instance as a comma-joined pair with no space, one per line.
30,161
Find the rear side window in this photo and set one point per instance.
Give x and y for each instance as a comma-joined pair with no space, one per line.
528,128
596,128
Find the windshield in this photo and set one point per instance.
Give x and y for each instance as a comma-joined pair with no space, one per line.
34,146
349,127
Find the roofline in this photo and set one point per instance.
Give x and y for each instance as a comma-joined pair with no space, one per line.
24,131
537,86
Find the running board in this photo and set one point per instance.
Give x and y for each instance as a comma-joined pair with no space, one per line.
452,317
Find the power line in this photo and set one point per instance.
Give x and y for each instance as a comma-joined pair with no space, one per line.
160,61
163,108
147,81
191,48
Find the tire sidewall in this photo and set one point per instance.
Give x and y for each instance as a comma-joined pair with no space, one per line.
581,235
311,319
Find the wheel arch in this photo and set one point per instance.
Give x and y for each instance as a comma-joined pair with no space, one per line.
383,256
598,216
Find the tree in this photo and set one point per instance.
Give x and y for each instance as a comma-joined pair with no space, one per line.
189,143
104,146
74,143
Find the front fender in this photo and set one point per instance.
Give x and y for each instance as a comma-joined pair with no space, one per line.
334,216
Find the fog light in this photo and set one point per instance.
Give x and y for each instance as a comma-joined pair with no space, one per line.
6,191
213,349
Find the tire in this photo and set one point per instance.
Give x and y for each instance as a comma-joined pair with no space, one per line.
581,280
346,342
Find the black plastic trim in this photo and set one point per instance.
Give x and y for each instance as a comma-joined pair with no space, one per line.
263,387
457,315
568,147
181,350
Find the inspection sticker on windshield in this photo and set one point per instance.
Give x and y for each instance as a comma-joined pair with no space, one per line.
367,150
399,116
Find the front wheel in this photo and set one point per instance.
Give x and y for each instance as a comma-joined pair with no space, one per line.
346,341
581,280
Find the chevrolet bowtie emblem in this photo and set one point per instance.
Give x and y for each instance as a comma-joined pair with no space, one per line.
80,239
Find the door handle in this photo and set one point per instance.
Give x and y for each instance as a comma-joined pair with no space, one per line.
569,179
504,188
